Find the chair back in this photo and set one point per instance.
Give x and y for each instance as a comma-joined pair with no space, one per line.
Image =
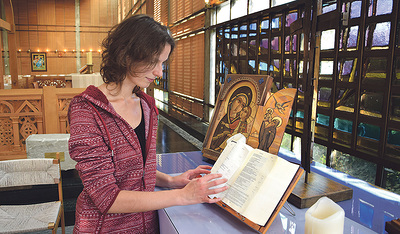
19,174
57,81
23,172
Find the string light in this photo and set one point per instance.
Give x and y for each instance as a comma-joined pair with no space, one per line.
57,51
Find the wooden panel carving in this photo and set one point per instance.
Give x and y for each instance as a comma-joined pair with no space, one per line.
20,116
63,104
22,113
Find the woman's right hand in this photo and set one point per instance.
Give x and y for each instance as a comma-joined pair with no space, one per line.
198,189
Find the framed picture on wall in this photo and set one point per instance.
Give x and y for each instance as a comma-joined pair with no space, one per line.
38,61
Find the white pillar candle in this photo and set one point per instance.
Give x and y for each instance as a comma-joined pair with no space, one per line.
324,217
89,60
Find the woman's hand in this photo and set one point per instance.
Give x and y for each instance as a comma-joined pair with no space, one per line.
183,179
199,189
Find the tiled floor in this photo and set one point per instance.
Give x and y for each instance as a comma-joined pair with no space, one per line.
170,139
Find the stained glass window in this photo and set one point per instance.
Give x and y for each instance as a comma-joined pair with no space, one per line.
345,100
355,10
352,37
290,18
371,103
347,69
328,6
276,23
380,7
324,96
328,39
368,136
342,132
326,69
381,34
384,7
394,111
353,79
396,78
276,45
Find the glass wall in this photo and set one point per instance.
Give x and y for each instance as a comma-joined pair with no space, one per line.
353,57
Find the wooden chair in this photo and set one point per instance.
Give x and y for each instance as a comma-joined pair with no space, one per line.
40,81
31,217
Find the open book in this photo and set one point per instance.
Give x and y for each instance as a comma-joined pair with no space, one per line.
259,182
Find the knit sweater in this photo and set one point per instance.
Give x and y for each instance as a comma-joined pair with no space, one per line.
109,159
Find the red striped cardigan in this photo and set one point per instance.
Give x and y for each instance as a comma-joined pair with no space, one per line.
109,159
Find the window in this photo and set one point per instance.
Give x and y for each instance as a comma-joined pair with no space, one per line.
358,84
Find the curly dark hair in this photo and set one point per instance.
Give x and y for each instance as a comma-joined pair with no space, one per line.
138,40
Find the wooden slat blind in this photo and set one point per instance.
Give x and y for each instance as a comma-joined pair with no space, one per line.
186,70
161,11
198,5
50,25
188,26
157,10
197,65
180,9
172,12
187,62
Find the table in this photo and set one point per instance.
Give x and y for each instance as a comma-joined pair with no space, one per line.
84,80
209,218
46,145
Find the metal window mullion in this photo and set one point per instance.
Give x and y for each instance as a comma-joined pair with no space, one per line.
334,85
361,49
258,52
282,45
269,36
388,90
306,141
247,40
296,75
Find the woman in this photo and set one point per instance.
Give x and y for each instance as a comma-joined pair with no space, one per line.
113,135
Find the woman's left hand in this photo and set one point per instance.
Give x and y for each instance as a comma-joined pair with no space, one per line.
183,179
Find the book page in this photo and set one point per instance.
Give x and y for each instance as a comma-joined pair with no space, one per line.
231,161
269,194
249,180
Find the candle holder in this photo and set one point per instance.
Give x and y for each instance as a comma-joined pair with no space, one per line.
305,194
90,69
87,69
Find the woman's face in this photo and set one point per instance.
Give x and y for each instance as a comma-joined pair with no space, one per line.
145,78
236,106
